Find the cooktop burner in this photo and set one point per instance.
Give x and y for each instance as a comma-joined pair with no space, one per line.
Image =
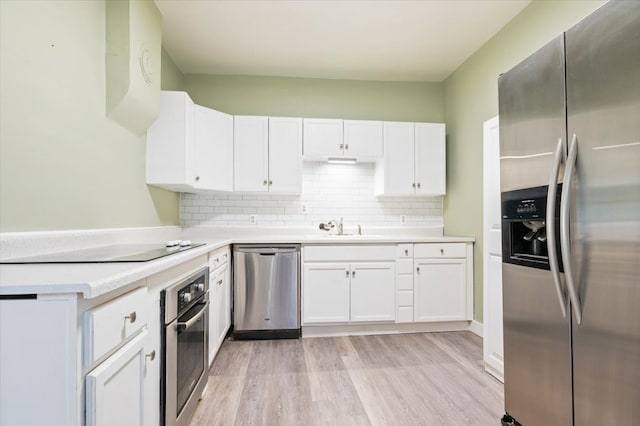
105,254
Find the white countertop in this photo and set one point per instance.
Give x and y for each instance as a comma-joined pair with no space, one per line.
97,279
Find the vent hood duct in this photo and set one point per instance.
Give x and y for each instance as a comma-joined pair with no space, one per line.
133,49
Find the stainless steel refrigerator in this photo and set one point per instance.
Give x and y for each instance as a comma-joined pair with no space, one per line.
570,182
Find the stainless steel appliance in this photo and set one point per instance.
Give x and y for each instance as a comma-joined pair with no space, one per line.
266,290
570,176
184,312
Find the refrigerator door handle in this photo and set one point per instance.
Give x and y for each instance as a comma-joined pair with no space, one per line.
551,227
565,204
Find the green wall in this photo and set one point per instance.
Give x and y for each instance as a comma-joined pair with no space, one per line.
471,98
319,98
63,163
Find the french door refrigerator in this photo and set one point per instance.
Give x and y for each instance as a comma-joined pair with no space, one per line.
570,182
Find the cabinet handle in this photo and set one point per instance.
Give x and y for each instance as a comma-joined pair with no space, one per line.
442,252
418,185
270,183
151,355
341,146
418,269
346,146
413,184
197,178
131,317
264,182
220,282
347,271
353,273
406,252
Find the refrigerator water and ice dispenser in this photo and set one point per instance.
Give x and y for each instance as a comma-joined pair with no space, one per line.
523,221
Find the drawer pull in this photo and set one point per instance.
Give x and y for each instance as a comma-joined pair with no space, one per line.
442,251
131,317
220,282
151,355
347,273
406,252
418,269
353,273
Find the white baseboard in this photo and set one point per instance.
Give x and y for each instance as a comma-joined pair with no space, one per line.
476,328
328,330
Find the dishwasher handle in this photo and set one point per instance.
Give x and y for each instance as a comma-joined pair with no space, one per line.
268,251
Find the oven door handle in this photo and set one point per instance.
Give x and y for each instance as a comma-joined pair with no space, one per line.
181,326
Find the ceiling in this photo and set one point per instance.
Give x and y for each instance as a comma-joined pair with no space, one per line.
392,40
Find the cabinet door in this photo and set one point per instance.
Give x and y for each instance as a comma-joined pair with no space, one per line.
170,141
285,155
115,389
440,290
214,317
363,139
213,153
325,292
430,158
373,292
399,159
323,138
250,154
223,306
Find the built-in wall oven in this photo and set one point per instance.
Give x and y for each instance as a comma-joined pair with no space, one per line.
184,312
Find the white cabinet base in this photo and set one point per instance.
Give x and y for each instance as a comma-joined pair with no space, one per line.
354,329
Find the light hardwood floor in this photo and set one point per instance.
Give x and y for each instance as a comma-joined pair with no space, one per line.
409,379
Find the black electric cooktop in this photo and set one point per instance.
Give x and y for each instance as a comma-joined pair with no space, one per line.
105,254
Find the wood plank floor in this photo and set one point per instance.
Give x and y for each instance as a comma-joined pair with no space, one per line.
408,379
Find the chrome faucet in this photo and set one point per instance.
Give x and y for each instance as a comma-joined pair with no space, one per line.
332,224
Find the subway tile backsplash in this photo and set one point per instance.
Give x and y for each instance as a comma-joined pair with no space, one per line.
329,191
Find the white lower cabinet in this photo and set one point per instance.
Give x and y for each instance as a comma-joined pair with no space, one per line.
115,390
348,284
373,292
326,293
219,300
440,290
441,282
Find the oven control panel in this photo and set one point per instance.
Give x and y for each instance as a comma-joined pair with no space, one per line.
191,292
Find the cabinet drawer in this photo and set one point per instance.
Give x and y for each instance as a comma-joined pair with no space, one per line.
404,266
405,298
405,282
404,251
440,250
405,314
110,324
349,253
219,258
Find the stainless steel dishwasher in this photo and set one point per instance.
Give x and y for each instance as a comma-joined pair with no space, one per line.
266,292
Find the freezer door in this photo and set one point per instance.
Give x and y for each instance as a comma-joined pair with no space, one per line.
537,349
532,117
603,106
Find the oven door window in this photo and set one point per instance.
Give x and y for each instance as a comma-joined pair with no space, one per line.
191,354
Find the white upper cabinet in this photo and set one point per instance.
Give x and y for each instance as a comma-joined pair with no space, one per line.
414,159
430,160
251,154
363,139
267,154
329,138
189,147
285,155
214,149
323,138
